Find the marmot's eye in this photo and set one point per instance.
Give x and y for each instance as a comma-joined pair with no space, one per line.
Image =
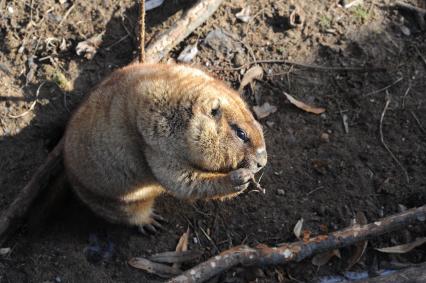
241,134
215,112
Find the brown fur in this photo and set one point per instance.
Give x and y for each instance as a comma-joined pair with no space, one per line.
149,129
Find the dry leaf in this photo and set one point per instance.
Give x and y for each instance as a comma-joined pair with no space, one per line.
5,251
297,230
244,14
254,73
159,269
264,111
63,45
405,248
152,4
188,53
323,258
303,106
182,245
89,47
360,247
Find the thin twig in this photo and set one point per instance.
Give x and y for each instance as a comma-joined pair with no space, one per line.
420,55
307,66
418,122
252,19
33,104
209,238
382,139
142,32
405,94
246,45
314,190
384,88
68,12
117,42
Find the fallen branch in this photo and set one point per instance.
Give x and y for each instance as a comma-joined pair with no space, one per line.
264,255
14,214
189,21
410,8
419,13
415,274
307,66
38,182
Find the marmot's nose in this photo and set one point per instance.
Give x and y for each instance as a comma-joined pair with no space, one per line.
261,157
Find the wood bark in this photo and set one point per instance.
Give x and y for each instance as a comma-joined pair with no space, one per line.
404,6
415,274
19,208
189,21
263,255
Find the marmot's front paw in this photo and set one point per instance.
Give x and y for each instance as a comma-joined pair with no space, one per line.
240,178
154,226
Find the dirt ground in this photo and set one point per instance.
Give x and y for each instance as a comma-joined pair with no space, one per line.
318,170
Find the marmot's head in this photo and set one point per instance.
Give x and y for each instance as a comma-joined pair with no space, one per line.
223,134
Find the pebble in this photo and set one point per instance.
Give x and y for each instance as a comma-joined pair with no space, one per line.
270,124
280,192
325,137
405,30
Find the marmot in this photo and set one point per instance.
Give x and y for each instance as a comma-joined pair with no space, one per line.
152,128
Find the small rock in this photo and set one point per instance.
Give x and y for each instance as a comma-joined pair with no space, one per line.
270,124
325,137
188,53
10,9
244,14
4,251
239,59
405,30
221,42
280,192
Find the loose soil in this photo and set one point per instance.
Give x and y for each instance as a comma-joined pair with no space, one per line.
317,170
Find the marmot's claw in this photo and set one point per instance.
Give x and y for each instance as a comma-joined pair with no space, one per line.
155,224
158,217
150,228
142,230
